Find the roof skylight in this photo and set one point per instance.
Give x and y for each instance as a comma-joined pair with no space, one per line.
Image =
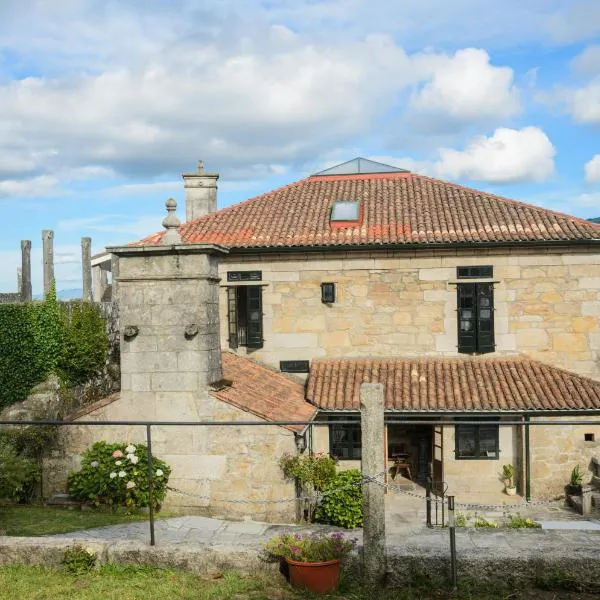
345,210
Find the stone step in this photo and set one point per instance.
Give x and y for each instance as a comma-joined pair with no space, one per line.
63,500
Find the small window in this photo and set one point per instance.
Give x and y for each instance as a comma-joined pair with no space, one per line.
345,210
475,272
294,366
476,442
328,293
589,437
244,316
345,441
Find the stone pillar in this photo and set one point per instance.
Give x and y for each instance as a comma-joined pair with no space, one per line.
99,283
86,268
200,193
169,326
48,259
373,466
25,287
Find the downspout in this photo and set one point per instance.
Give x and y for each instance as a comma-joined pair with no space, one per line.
527,461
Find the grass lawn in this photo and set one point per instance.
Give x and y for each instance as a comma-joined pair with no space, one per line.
37,520
145,583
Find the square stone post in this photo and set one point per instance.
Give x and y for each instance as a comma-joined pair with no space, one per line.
25,285
86,268
48,259
373,466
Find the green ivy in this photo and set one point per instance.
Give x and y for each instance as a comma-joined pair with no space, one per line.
342,502
38,339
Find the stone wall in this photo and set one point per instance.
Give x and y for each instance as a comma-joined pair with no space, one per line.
212,465
556,450
547,304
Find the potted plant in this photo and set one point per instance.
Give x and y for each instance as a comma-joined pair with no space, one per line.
314,560
508,474
574,485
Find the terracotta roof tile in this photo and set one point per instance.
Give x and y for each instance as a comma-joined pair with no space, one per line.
398,208
263,392
452,385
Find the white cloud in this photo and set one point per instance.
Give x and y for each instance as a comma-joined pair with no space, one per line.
466,88
584,103
509,155
588,62
42,185
574,21
592,170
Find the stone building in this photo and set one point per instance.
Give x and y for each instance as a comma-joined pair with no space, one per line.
465,305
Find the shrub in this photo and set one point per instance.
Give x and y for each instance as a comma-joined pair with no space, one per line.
576,476
78,560
117,475
317,470
482,522
18,474
342,502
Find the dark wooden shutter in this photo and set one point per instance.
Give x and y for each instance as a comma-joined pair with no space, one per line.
232,318
467,317
485,318
254,316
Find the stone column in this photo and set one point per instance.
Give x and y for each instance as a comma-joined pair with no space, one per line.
86,268
25,287
48,259
373,466
99,283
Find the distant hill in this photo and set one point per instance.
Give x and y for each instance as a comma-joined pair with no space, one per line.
596,220
72,294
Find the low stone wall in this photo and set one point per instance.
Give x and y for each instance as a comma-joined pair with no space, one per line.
521,559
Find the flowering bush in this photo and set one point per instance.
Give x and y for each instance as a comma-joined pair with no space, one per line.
315,547
117,475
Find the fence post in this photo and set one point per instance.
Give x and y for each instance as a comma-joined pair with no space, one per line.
452,529
428,500
373,459
150,483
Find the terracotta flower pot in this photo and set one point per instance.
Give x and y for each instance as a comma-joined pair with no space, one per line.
318,577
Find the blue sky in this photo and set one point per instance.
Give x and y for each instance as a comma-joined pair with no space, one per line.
104,103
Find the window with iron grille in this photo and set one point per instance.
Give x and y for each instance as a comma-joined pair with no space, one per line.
244,316
345,441
476,441
475,311
328,293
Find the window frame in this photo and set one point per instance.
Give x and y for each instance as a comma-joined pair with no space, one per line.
354,442
476,430
245,301
475,310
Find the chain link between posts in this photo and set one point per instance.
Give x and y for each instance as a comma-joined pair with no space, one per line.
394,488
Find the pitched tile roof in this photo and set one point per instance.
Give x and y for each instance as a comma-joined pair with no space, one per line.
399,209
263,392
452,385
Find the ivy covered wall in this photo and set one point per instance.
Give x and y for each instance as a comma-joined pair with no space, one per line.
38,339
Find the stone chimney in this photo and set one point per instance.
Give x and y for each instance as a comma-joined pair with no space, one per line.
200,193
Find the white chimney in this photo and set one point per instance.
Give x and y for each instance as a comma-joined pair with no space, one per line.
200,193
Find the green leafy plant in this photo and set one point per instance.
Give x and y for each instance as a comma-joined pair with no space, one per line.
78,560
483,522
117,475
508,474
38,339
316,547
18,474
462,519
576,476
342,502
519,522
317,470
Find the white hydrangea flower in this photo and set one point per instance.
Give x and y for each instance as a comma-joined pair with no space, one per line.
118,463
130,485
133,458
94,464
122,473
159,472
113,475
130,449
